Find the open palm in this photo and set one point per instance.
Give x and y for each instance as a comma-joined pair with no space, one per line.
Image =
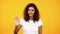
16,21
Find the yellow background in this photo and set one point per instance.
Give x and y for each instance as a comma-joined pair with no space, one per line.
49,11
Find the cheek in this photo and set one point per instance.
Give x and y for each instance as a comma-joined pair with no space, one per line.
28,12
33,12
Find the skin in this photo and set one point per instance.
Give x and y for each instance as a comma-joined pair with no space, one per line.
18,26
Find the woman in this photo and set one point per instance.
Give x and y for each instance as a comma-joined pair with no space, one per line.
30,22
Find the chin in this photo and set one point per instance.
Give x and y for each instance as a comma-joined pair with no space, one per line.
30,15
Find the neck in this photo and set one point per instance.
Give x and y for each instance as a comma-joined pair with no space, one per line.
31,18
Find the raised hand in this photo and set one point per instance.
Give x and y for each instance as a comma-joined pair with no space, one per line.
16,21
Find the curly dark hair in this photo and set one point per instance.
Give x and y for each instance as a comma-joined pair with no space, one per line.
36,13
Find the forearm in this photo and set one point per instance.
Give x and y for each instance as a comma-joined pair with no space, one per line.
17,29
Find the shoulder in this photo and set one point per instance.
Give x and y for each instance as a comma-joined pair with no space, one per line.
21,18
40,22
21,21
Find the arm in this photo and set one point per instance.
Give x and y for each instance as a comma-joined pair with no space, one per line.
17,29
40,30
17,25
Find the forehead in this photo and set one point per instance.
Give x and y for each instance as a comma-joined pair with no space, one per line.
31,8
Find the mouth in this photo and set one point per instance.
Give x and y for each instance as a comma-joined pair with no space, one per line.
30,13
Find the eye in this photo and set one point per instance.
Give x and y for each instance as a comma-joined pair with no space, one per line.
28,9
32,10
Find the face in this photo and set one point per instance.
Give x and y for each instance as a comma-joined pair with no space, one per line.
31,11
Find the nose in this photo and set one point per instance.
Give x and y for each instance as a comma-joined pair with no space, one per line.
30,11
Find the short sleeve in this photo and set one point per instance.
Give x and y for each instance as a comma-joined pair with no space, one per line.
21,21
40,23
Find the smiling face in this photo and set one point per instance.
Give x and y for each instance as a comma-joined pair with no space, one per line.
31,11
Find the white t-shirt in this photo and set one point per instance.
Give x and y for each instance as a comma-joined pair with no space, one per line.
30,27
